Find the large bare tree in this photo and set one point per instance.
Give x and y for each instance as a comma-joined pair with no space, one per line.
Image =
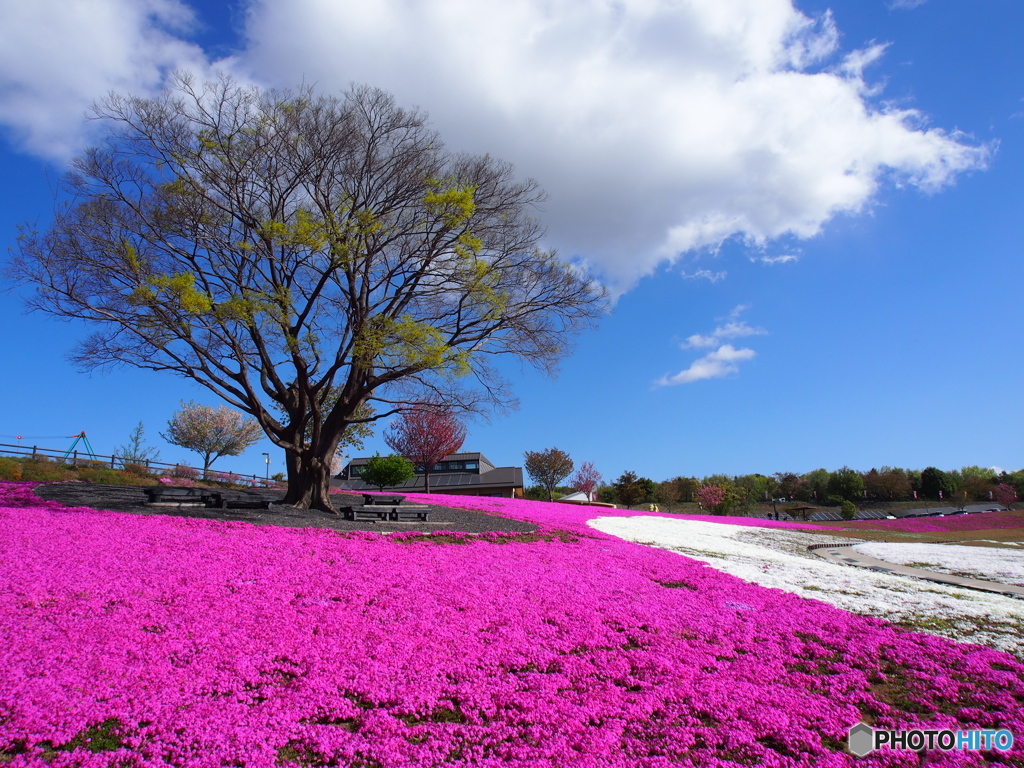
301,256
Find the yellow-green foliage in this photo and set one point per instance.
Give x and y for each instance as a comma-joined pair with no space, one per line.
455,203
409,343
306,232
483,282
246,307
179,289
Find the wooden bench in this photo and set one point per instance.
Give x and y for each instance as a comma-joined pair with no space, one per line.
394,513
374,500
219,500
176,496
366,513
408,512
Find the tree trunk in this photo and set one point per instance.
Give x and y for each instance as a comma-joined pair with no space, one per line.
426,479
309,483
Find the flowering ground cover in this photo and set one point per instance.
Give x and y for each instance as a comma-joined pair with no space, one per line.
134,640
779,559
976,522
1003,564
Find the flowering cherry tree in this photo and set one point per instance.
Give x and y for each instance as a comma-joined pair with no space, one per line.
425,435
586,479
211,432
1005,494
710,497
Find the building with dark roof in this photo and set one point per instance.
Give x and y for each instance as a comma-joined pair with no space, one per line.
467,474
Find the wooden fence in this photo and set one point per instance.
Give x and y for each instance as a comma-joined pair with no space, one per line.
76,458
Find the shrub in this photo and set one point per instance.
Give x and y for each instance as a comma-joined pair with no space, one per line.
43,470
10,469
187,473
389,470
848,510
112,476
224,478
136,469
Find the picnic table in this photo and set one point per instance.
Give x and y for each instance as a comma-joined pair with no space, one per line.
375,499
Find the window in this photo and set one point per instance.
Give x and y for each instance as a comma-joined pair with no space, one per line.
472,465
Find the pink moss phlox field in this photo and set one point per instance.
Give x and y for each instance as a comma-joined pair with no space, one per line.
975,522
574,516
131,640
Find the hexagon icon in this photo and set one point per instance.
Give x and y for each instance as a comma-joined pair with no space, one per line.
861,739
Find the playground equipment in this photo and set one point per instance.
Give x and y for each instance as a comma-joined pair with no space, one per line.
80,438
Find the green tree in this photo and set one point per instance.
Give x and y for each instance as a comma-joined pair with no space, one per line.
300,256
752,490
388,470
847,510
135,451
789,485
888,484
936,484
846,484
667,494
211,432
815,486
978,482
548,467
629,489
687,487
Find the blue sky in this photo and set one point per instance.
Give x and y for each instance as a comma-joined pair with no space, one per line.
809,213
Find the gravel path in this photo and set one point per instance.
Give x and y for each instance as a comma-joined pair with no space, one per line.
126,498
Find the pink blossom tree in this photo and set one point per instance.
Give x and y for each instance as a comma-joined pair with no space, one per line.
425,435
586,479
1004,494
710,497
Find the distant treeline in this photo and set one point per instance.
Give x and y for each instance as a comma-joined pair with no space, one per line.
822,487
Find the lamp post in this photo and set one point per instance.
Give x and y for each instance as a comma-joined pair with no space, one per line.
268,465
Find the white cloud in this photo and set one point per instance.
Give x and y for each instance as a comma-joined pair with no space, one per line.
704,274
58,57
722,361
733,328
714,365
658,127
787,258
906,4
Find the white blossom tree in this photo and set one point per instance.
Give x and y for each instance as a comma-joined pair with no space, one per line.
211,432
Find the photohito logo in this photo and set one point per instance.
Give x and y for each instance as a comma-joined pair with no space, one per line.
864,739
